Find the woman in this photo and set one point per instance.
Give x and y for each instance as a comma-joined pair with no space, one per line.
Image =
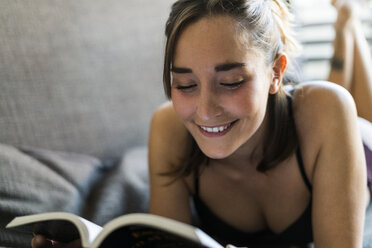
260,171
263,166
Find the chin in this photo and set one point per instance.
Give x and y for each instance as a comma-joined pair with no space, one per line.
216,153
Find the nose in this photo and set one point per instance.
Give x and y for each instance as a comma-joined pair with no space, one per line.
208,107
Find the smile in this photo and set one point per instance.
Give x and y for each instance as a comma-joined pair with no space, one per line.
216,130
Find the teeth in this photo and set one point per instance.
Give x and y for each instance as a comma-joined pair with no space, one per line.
215,129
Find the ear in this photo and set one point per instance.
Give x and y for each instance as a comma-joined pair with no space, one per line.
279,66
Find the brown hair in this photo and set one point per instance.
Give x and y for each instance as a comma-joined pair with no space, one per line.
268,25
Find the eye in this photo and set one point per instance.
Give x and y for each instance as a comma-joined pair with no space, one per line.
186,87
234,85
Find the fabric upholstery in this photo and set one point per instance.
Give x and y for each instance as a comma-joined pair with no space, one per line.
38,180
367,241
122,190
82,76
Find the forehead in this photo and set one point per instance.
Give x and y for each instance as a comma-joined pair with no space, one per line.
215,39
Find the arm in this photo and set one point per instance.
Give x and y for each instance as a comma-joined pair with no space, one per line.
167,145
339,172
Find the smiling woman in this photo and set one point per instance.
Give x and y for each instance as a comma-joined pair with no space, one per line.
233,73
263,165
207,101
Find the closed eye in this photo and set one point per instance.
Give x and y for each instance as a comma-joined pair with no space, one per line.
186,87
234,85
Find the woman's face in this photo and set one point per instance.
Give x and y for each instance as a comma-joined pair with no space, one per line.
219,86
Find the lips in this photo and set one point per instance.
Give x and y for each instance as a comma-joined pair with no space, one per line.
216,131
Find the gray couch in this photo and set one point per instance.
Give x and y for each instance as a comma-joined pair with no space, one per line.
79,81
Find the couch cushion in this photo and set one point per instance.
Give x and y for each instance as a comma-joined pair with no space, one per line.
81,76
37,180
123,190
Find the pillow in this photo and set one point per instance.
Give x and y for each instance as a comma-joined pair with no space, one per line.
38,180
365,128
367,242
123,190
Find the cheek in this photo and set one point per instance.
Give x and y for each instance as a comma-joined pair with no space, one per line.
183,106
244,102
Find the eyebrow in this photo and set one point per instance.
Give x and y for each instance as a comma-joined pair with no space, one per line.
228,66
180,70
218,68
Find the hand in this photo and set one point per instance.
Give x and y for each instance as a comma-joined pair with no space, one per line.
40,241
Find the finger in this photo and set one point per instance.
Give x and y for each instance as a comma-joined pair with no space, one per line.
39,241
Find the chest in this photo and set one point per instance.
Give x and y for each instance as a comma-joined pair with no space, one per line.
252,201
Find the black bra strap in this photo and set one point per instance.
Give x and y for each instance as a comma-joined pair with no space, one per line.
302,169
298,151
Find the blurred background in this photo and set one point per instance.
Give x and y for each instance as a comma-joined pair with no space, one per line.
315,20
86,76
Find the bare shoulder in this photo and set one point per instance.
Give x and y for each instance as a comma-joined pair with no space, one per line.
168,137
332,149
168,145
322,105
325,116
166,113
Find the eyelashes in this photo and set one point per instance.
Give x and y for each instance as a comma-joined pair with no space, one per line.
234,85
230,86
186,87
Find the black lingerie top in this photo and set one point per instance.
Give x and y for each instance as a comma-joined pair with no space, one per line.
298,233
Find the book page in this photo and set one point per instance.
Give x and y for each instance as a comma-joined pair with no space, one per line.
61,226
93,231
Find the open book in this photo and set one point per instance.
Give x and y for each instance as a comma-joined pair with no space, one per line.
132,231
